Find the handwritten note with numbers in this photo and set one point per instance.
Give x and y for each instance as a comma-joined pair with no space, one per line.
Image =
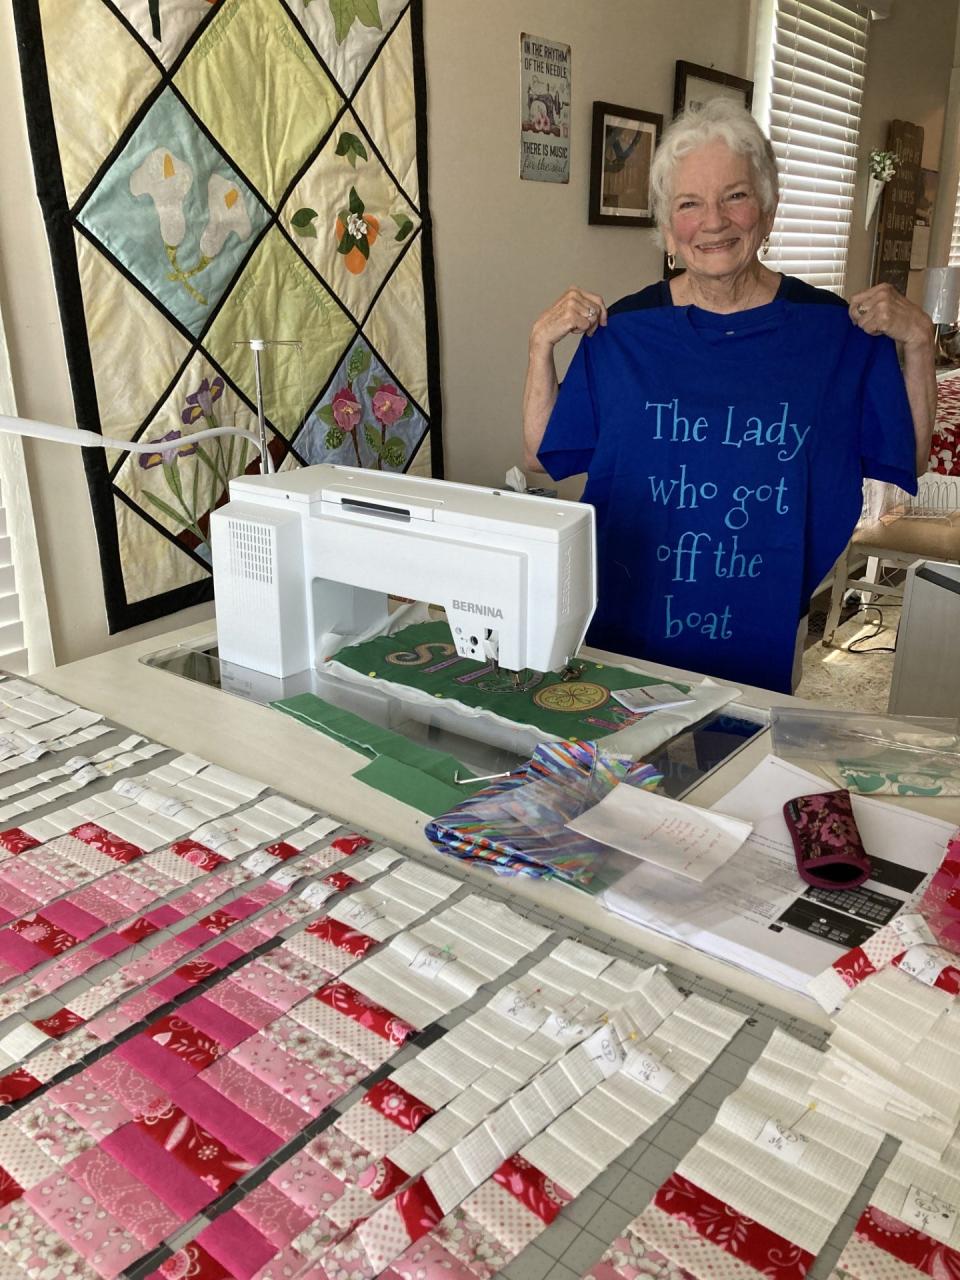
934,1216
782,1141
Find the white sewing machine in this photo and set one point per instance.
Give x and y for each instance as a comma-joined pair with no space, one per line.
303,562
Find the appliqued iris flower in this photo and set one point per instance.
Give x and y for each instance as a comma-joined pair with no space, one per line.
167,456
199,403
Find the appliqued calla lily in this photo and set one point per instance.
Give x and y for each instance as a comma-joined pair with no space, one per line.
166,180
226,213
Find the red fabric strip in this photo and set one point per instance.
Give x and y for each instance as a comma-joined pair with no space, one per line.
17,1084
854,966
721,1224
369,1014
419,1209
282,850
907,1244
193,1261
178,1036
16,840
194,1147
540,1194
397,1105
342,936
197,854
10,1188
382,1178
137,930
43,933
99,838
59,1023
351,844
340,880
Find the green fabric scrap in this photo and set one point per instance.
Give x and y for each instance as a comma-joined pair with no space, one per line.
421,771
412,786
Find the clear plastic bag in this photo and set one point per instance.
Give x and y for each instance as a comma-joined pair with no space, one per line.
873,754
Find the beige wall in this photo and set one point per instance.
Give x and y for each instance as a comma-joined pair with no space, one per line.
504,248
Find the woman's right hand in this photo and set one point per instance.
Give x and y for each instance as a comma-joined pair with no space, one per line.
576,312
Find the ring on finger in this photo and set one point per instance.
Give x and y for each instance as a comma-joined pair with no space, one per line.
591,313
861,309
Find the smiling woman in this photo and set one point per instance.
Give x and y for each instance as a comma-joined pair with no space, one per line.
725,418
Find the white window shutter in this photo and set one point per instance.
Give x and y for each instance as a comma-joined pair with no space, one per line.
810,89
24,621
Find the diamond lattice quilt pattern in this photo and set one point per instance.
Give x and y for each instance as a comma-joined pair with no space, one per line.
213,171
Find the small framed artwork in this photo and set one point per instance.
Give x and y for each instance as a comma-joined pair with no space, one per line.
621,152
693,85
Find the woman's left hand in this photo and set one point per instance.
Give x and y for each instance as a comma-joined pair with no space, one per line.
883,309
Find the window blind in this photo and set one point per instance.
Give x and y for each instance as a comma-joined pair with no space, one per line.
954,260
810,87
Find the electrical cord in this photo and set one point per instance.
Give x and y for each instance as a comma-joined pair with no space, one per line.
854,645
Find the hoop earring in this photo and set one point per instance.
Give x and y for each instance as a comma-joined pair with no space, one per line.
766,247
671,261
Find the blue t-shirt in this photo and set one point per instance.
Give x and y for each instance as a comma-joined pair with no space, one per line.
725,456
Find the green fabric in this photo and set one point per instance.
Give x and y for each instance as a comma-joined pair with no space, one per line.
422,777
423,657
412,786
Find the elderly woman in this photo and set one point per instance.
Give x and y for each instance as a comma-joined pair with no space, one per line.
725,419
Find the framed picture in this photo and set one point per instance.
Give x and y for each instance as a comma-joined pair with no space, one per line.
621,152
693,85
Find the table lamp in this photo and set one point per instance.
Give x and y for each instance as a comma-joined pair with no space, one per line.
941,302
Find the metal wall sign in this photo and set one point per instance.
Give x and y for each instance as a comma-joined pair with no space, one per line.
544,109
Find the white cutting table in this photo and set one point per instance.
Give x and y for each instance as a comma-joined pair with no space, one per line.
314,769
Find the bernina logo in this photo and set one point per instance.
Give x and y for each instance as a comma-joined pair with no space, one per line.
484,610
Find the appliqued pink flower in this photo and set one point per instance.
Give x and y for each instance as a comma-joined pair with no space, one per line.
346,409
388,404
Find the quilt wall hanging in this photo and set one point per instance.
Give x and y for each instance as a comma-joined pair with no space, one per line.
212,171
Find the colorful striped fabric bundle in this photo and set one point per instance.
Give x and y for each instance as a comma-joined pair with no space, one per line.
518,825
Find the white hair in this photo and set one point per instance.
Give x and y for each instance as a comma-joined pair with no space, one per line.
718,119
